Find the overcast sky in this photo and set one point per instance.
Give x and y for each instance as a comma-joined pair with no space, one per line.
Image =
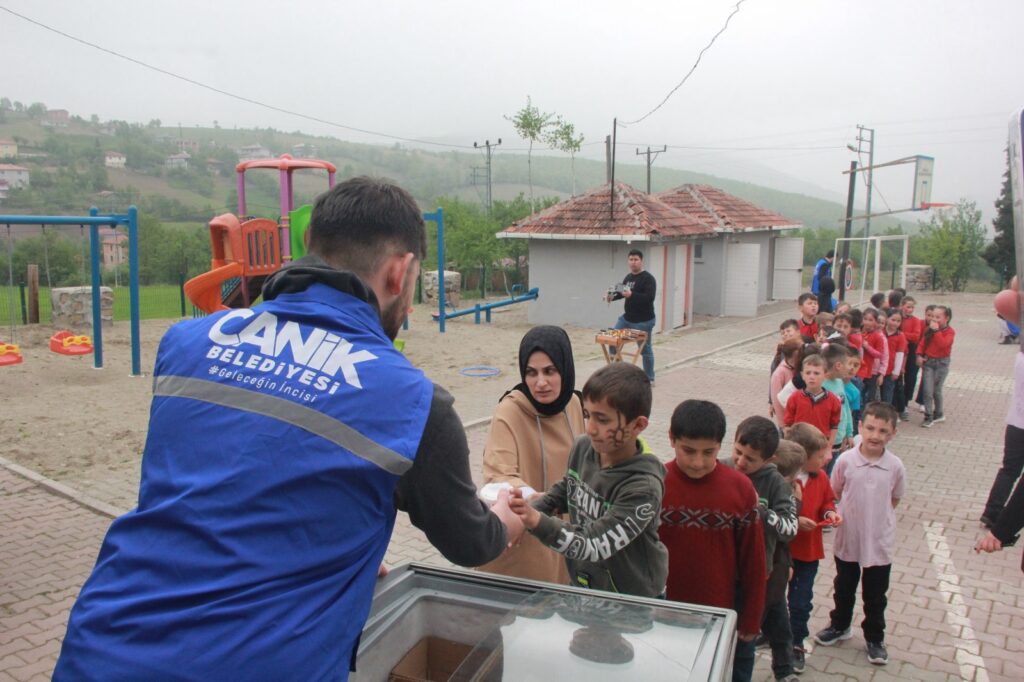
793,76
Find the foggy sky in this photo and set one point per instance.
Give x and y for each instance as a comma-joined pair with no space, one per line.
934,78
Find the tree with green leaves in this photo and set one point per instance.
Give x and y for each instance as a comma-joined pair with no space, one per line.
952,242
563,138
532,125
1000,254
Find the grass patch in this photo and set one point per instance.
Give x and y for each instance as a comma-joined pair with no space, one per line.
156,302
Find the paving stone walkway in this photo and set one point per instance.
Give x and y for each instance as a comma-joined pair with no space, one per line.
952,614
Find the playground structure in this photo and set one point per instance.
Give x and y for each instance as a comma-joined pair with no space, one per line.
65,342
247,250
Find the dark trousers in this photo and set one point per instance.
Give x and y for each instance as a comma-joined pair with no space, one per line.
869,393
909,378
743,661
775,626
889,388
874,582
1009,472
801,598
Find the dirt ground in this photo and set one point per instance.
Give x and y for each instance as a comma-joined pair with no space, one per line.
61,416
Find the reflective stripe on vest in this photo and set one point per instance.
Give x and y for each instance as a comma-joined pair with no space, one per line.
306,418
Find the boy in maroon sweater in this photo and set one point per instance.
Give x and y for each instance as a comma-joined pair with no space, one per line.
814,405
711,527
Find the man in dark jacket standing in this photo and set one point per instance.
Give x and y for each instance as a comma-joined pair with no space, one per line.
638,288
281,441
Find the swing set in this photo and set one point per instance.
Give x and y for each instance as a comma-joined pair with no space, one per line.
65,342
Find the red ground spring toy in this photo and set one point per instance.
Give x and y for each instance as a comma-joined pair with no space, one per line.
66,343
10,354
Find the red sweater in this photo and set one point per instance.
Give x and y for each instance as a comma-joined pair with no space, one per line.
855,339
940,345
823,412
897,344
818,498
875,350
912,327
715,542
808,328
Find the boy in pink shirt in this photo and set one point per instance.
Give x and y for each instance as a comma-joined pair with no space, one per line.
869,481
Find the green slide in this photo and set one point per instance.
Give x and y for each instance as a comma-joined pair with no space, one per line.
298,223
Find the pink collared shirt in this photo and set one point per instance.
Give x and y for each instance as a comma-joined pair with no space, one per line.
866,490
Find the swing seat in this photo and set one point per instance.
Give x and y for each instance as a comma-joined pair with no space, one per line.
10,354
66,343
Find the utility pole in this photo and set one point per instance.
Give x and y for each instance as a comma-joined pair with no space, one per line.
487,144
611,182
846,232
866,139
650,160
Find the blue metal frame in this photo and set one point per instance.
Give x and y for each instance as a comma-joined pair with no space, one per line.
94,220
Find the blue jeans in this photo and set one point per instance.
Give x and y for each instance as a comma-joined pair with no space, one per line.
743,661
648,351
801,598
889,390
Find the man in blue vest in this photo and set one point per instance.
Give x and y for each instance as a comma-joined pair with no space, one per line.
281,441
822,269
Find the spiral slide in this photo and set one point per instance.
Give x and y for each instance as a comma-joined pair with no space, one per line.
205,290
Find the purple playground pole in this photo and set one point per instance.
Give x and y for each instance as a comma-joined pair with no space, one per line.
286,194
241,193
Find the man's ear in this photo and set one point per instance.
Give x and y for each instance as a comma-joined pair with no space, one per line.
397,268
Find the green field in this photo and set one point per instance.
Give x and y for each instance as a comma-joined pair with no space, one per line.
156,302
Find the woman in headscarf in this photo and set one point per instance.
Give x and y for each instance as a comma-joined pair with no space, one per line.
531,434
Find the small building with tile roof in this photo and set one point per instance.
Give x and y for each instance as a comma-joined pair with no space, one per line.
578,249
711,253
750,262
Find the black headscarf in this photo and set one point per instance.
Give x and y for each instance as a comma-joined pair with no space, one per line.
555,343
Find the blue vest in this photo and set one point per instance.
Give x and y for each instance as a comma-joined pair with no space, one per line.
276,438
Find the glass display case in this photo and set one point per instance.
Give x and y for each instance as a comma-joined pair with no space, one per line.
430,623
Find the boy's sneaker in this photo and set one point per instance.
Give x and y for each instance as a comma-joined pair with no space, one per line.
927,423
761,642
920,407
831,635
799,664
877,653
905,415
938,419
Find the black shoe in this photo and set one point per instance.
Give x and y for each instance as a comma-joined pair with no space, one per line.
831,635
799,664
877,653
761,642
927,423
905,416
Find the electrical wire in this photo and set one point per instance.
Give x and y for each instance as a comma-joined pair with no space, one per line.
226,93
693,68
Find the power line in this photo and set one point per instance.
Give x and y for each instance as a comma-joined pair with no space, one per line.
693,68
226,93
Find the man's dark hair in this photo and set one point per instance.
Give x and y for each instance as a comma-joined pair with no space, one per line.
880,410
359,222
759,433
831,253
878,299
789,323
636,252
698,419
806,296
623,386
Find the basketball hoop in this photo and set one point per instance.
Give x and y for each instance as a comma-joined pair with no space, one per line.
927,205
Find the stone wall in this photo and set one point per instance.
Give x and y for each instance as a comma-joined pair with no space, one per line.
919,277
452,287
72,307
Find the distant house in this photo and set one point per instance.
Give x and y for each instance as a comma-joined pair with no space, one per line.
8,149
56,118
114,160
750,261
253,151
304,151
5,187
214,166
15,176
113,247
191,146
578,250
179,160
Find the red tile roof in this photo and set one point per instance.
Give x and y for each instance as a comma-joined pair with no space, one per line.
723,210
636,215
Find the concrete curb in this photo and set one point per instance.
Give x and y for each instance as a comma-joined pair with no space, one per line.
90,503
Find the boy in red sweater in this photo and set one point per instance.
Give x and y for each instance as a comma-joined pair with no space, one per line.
933,359
817,505
814,404
711,527
912,328
808,304
897,345
875,354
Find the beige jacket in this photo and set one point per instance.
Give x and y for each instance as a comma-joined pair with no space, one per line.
525,448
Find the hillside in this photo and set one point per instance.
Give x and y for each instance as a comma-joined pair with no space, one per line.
66,165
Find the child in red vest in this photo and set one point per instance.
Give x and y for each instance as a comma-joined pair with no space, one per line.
814,405
912,328
808,304
897,346
933,359
875,354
